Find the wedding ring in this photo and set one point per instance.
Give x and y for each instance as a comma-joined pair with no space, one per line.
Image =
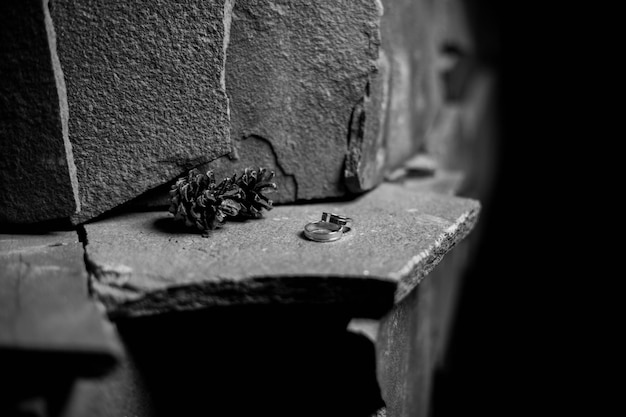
337,219
323,231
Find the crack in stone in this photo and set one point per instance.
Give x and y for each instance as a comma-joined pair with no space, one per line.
279,165
356,134
63,104
106,281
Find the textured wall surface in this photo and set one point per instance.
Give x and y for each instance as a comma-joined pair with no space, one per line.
145,87
294,73
330,96
37,174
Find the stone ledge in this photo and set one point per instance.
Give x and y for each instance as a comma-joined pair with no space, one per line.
144,263
46,317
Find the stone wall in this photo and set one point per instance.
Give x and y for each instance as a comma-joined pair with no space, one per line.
104,101
103,104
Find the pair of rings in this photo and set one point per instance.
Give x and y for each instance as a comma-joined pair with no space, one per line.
330,228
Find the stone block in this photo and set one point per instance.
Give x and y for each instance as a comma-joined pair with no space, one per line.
46,317
366,159
415,36
146,92
37,173
327,95
143,263
410,48
296,71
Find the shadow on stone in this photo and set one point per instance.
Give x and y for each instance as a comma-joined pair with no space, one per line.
37,228
264,360
39,383
169,225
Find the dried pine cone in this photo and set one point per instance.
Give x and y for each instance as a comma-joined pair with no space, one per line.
252,184
199,202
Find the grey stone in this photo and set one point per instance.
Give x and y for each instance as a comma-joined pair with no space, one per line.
255,152
297,109
295,72
44,304
146,92
143,263
414,34
411,340
37,173
404,348
366,158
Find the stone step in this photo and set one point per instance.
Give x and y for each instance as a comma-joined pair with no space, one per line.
46,317
314,357
145,263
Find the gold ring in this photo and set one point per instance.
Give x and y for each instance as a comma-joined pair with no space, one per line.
323,231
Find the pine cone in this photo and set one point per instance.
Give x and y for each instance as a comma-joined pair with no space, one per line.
198,201
252,184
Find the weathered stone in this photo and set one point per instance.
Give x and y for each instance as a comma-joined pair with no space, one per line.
405,45
143,263
411,340
44,306
37,173
255,152
146,92
414,36
367,143
295,72
405,353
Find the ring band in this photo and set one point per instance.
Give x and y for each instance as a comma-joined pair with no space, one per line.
336,219
323,231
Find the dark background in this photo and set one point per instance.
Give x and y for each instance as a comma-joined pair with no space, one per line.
490,367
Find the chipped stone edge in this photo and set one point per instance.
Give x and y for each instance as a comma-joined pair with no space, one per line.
421,264
355,138
111,285
362,297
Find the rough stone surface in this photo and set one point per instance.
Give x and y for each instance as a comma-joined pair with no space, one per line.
405,353
146,92
143,263
255,152
37,173
367,143
295,72
44,305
